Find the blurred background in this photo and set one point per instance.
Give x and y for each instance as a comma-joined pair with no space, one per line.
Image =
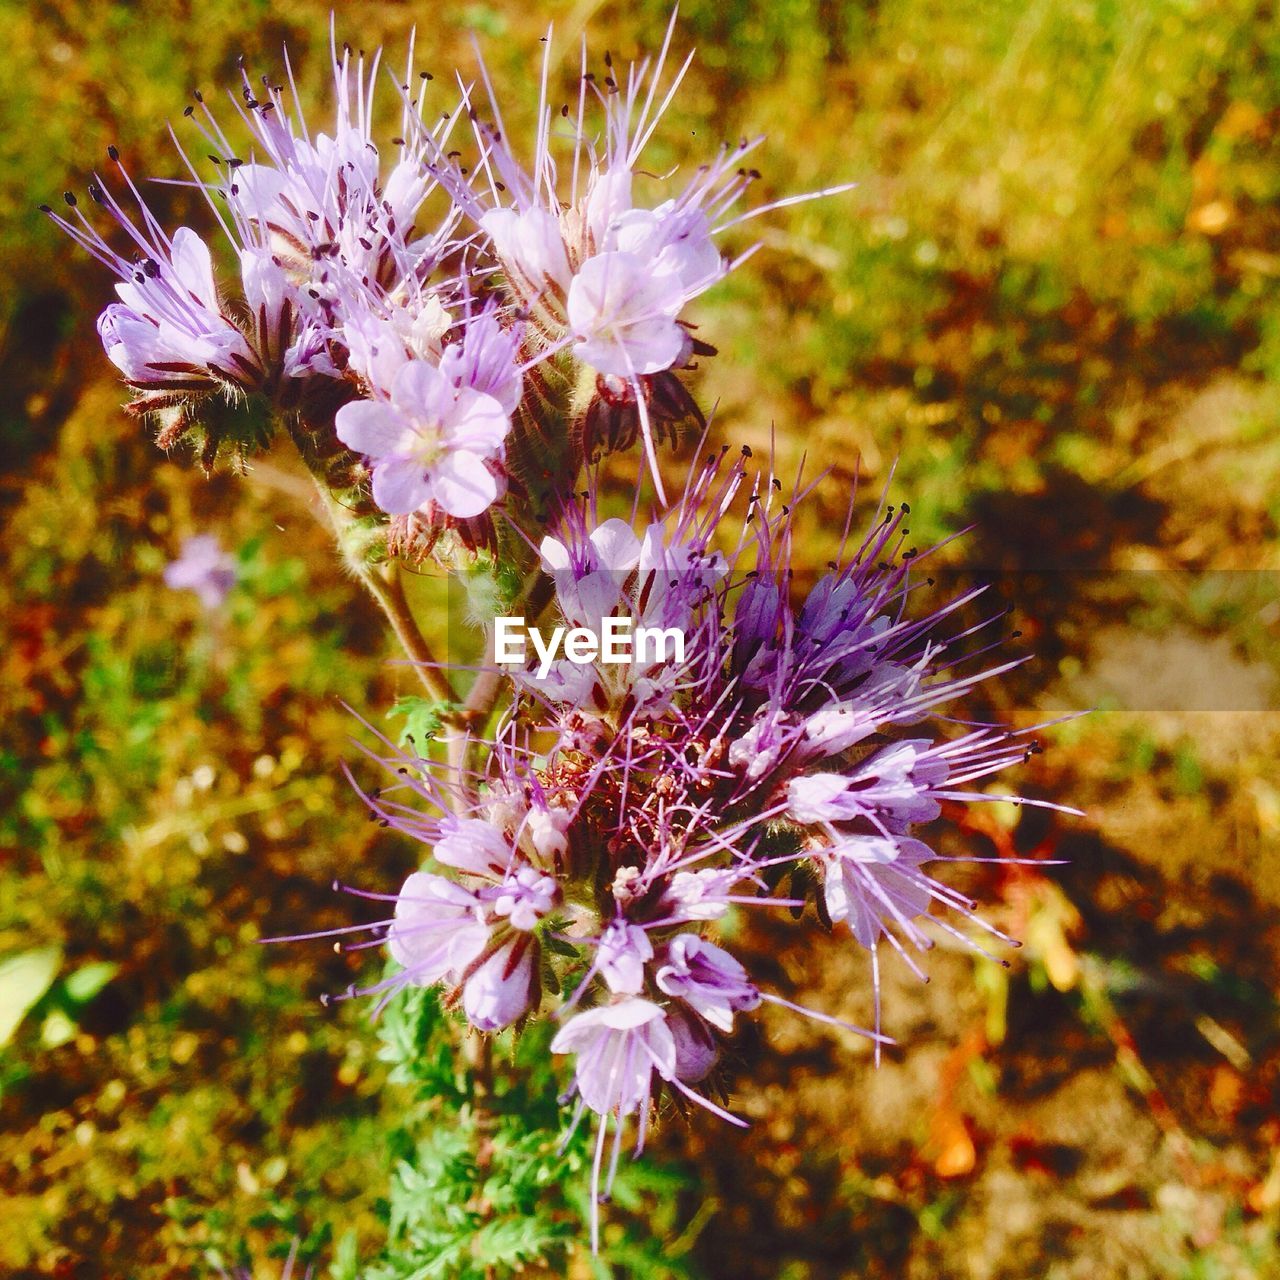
1051,301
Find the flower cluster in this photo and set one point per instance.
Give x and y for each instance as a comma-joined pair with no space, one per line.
625,810
393,302
452,334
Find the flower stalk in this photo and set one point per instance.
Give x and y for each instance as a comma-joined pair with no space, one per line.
454,337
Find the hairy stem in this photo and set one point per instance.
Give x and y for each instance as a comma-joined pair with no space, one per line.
382,582
386,588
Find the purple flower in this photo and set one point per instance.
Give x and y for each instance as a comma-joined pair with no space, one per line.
430,444
708,979
168,329
525,896
503,987
621,957
893,788
598,267
323,233
475,846
437,931
617,1049
203,567
624,315
340,224
652,580
487,359
875,883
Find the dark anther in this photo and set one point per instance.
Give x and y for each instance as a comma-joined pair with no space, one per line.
95,193
188,111
746,451
69,197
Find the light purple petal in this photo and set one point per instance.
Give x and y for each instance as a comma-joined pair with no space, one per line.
373,428
462,484
400,487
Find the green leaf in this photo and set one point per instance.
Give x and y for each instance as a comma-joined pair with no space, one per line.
24,978
57,1029
346,1258
422,719
88,980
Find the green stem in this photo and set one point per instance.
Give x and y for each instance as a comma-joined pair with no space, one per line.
386,588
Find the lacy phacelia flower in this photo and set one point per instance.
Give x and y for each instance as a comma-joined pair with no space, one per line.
203,567
349,272
612,829
331,262
438,929
617,1050
429,444
333,218
656,584
707,978
600,270
169,331
623,952
599,273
